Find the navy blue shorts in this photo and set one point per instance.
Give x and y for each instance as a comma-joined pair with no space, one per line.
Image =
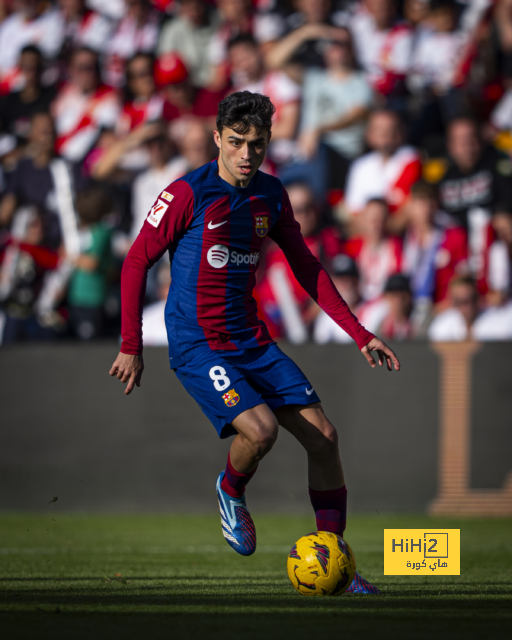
226,383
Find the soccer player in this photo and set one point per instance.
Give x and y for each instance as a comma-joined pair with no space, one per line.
213,222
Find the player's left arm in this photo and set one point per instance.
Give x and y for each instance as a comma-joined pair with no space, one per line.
318,284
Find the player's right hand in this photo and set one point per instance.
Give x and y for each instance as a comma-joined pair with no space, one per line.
128,369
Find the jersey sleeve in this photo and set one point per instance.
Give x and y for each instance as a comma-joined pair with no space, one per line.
171,214
167,220
312,276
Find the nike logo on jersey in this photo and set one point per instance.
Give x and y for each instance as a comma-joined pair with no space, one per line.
214,226
309,391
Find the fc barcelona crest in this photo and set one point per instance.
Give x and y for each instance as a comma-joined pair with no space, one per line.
231,398
261,226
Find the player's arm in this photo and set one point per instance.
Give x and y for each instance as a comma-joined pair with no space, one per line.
168,218
129,364
318,284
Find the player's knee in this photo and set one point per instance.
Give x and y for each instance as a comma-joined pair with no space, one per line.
263,437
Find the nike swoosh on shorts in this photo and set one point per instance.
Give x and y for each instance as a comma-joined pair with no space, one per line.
214,226
309,391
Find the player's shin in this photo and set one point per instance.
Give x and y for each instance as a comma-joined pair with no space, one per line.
234,482
330,509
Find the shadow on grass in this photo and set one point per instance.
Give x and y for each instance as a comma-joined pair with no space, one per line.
233,625
257,596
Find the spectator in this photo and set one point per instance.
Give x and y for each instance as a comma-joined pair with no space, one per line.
236,19
195,146
32,23
83,106
136,32
154,331
397,301
298,39
440,51
336,102
415,12
500,257
345,276
384,45
182,100
477,177
17,108
163,169
465,320
119,159
433,253
81,27
388,171
32,182
189,36
376,255
89,282
144,103
248,74
27,259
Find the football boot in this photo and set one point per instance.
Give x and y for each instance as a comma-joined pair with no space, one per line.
362,586
237,525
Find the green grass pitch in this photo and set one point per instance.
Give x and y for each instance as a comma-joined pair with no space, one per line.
173,576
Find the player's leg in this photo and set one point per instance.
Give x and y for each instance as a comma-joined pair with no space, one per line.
327,490
318,436
257,431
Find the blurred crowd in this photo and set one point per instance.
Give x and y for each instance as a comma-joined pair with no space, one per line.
392,134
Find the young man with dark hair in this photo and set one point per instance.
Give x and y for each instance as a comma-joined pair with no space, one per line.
213,222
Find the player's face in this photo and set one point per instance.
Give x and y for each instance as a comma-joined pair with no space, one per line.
240,154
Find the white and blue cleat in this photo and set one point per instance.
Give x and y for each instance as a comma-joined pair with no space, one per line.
237,525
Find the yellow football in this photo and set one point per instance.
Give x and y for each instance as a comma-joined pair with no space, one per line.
321,564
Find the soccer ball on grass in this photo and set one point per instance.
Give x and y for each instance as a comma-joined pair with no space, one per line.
321,564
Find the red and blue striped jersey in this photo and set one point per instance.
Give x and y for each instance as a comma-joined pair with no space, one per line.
214,233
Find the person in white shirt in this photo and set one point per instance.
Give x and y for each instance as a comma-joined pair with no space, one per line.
154,332
33,24
383,45
83,106
465,321
388,171
137,32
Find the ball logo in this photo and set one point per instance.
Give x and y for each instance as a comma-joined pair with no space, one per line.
218,256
